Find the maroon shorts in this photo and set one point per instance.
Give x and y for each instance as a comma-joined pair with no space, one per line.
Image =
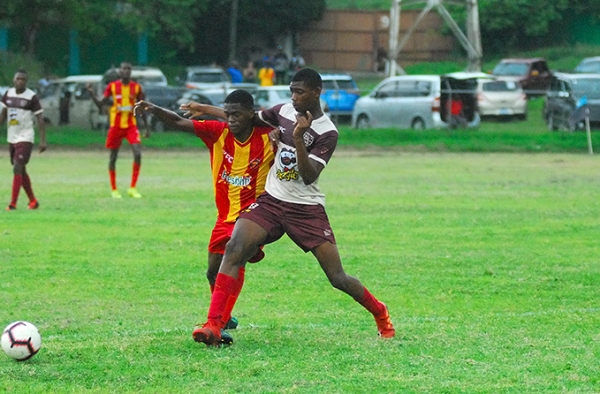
115,136
306,225
221,234
20,152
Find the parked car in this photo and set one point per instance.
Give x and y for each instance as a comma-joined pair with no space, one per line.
589,65
501,99
532,74
163,96
568,91
214,96
145,76
203,77
67,101
268,96
340,93
418,102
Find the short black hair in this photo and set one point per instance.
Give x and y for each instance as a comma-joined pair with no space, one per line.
22,71
310,77
241,97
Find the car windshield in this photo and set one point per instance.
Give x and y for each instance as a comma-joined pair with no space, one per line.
149,80
206,77
588,87
499,86
284,93
588,67
347,85
510,69
342,84
328,85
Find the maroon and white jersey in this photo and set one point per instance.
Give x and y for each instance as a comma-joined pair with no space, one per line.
284,181
21,110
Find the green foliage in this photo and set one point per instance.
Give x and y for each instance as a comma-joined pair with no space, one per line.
488,263
11,62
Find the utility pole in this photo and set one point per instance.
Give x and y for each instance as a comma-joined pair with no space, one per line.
392,65
233,30
470,42
474,35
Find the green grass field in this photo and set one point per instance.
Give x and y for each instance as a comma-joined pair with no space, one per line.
488,263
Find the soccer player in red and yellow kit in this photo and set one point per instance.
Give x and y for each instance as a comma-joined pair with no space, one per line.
123,94
292,204
240,158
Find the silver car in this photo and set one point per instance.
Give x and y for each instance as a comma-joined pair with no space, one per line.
419,102
501,99
66,101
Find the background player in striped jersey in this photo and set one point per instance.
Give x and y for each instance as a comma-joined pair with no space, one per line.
240,158
123,94
19,106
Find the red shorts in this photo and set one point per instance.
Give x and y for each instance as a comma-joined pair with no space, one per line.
20,152
307,225
115,136
221,234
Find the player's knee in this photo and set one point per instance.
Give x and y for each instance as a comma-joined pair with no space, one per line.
211,275
339,281
235,252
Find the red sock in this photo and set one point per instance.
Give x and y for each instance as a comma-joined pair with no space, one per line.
112,174
135,174
27,187
371,303
16,188
212,288
224,287
233,297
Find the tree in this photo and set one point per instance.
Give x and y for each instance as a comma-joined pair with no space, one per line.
29,17
526,24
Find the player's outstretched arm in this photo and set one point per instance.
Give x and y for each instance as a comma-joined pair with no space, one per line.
99,103
169,118
194,109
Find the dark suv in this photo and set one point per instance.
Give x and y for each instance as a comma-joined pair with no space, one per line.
566,94
532,74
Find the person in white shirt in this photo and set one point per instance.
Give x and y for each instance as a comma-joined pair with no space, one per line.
20,106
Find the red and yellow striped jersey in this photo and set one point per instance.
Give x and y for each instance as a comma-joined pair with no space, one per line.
239,169
124,97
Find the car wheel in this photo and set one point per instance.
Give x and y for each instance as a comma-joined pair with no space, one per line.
363,122
418,124
158,126
551,122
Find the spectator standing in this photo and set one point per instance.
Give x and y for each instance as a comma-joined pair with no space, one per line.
124,93
250,73
281,65
266,74
296,63
20,106
235,72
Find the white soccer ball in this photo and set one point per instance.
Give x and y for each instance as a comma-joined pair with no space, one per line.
21,340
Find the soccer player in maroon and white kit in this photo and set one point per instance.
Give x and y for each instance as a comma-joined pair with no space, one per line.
20,106
240,157
292,204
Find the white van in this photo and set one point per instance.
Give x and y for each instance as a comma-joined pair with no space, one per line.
145,76
67,101
419,102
